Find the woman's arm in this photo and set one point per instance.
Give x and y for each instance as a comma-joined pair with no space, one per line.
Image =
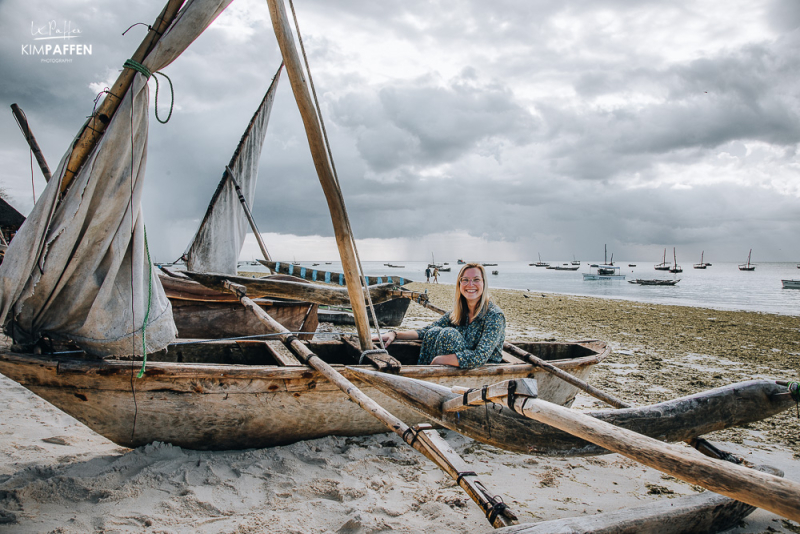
390,336
446,359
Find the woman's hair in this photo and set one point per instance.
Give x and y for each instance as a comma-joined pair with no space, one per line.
460,309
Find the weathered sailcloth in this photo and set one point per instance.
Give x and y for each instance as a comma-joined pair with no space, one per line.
78,268
218,242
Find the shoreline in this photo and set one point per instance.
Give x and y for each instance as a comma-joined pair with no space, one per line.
58,476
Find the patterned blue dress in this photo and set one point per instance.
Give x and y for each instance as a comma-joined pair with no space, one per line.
474,344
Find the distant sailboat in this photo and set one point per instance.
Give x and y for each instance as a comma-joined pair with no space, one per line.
664,265
540,263
675,267
702,264
748,266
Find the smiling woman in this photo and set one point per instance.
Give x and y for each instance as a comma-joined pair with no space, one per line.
467,337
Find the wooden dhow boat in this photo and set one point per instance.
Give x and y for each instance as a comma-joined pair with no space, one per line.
253,394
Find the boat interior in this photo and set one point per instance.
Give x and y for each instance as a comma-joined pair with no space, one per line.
343,352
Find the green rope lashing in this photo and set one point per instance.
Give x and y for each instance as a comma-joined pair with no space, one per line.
147,310
138,67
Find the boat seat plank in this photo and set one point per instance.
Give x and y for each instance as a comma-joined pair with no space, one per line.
281,354
510,358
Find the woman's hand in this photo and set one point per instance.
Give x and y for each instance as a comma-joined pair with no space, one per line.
388,337
446,359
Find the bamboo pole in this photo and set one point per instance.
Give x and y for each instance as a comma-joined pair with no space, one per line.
420,439
778,495
26,131
247,213
97,124
316,143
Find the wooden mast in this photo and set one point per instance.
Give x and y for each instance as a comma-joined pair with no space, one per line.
247,213
97,124
344,239
26,131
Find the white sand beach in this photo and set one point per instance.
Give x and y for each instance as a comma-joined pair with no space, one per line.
58,476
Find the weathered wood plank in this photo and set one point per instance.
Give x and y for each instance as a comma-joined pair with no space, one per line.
265,287
281,354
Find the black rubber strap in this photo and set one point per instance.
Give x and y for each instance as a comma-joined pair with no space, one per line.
496,509
465,400
413,433
512,394
465,474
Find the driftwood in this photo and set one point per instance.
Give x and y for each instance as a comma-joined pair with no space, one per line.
673,420
778,495
705,512
266,287
422,439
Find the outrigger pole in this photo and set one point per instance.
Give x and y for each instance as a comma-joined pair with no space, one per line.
422,437
316,142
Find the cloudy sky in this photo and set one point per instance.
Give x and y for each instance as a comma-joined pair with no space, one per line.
483,130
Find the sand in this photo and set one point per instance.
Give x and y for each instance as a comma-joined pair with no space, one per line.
58,476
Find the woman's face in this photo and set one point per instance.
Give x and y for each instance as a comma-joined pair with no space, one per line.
471,285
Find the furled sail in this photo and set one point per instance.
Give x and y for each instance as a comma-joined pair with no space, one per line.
216,246
78,268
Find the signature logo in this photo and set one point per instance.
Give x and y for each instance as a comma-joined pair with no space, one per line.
59,31
52,30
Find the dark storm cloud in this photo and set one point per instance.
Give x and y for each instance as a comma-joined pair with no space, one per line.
533,123
422,122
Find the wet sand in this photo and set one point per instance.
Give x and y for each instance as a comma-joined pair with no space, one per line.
58,476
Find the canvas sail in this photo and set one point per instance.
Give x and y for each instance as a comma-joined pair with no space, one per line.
78,268
218,242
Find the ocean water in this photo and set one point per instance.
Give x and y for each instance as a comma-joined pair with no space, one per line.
722,286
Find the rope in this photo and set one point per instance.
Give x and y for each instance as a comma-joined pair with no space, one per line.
138,67
149,302
367,353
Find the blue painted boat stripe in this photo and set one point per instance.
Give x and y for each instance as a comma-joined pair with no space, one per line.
291,269
314,275
302,272
341,279
327,277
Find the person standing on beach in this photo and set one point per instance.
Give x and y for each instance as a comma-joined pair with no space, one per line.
435,275
467,337
427,275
